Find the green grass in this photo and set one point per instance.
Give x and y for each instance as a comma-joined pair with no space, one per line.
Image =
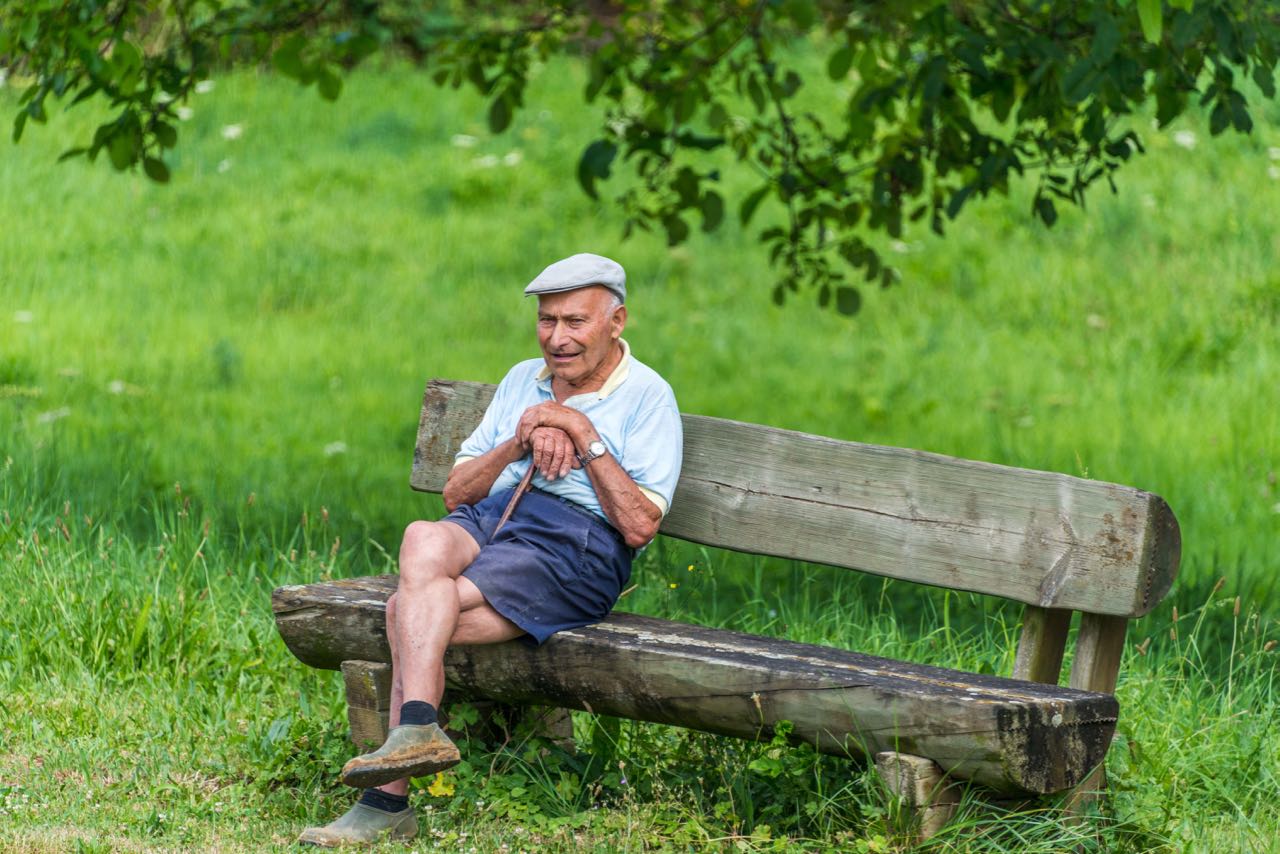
210,389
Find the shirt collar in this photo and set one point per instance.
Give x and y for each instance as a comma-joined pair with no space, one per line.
616,379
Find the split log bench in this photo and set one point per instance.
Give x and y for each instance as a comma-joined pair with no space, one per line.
1057,543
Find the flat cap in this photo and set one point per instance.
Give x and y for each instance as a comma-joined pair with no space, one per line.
580,271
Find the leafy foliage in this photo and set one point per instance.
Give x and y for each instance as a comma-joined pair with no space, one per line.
925,104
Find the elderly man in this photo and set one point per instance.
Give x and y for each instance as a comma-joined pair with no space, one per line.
603,434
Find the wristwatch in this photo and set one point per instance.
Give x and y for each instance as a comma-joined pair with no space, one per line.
594,451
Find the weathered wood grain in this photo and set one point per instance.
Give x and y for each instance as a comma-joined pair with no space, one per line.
1011,736
1096,667
1041,644
368,689
1099,648
923,789
1042,538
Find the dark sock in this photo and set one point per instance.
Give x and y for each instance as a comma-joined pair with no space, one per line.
417,712
384,801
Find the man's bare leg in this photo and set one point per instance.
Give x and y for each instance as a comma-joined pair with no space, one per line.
476,623
432,556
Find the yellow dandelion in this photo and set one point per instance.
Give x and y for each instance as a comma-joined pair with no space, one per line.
673,585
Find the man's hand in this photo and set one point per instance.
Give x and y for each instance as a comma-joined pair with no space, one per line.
576,426
554,454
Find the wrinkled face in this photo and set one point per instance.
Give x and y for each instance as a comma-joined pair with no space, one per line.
577,330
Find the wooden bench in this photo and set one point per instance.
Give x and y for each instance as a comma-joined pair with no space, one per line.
1059,544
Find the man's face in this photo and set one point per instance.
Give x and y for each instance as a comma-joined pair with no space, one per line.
577,330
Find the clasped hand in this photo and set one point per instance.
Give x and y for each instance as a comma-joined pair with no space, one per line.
545,430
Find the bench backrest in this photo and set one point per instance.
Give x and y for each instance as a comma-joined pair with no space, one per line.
1049,540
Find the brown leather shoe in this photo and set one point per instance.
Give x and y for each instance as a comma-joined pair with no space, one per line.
409,751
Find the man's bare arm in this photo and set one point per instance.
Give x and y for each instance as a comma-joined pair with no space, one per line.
553,455
629,509
471,481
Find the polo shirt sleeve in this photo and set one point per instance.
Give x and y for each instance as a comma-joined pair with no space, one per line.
654,452
487,435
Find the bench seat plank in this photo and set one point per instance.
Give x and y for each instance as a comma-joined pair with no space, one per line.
1046,539
1010,735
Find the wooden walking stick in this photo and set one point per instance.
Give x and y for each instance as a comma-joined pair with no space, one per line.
515,499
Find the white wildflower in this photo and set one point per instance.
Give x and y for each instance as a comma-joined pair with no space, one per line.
1185,138
183,113
488,161
511,158
116,386
53,415
232,131
899,246
1273,153
23,316
1273,172
463,140
335,448
204,87
224,165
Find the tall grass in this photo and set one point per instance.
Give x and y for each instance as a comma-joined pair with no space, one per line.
211,389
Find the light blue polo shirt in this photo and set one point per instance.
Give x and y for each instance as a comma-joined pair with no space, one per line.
634,412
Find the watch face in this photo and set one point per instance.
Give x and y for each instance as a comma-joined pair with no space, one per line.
597,449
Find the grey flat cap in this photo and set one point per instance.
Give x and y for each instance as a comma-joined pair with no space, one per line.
580,271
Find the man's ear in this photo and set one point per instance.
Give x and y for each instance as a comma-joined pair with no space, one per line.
619,320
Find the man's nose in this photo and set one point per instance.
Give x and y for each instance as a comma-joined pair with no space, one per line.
559,335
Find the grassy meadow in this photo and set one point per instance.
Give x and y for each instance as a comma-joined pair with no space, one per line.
210,389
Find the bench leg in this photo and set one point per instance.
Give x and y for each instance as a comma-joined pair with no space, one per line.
368,688
922,787
1099,648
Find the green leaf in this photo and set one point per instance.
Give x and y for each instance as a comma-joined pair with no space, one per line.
712,210
1044,208
166,134
140,625
595,163
1240,119
72,152
839,63
751,202
677,229
156,169
1220,118
1151,17
121,150
1266,79
755,93
848,300
288,57
686,186
329,84
1105,41
500,114
19,124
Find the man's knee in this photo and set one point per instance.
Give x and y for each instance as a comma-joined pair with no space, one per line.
426,553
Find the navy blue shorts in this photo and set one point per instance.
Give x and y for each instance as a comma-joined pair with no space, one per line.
553,566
